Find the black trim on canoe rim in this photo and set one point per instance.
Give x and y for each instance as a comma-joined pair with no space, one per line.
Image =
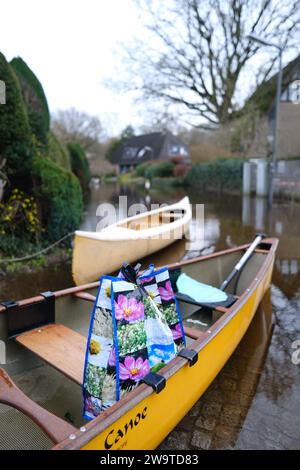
103,421
264,247
27,317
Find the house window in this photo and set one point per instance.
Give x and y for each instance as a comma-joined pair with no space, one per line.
129,152
295,91
145,150
141,153
183,151
178,150
124,168
292,92
174,149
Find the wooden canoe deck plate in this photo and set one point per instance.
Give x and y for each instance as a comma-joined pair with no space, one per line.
214,342
59,346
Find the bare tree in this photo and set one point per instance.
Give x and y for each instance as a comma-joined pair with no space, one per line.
196,51
73,126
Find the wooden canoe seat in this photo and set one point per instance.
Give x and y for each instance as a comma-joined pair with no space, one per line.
59,346
64,349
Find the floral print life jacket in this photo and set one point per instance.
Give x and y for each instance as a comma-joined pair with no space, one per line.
130,335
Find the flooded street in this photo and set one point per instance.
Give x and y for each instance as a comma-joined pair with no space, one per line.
254,402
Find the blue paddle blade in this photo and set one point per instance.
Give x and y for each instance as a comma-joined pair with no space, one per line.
202,293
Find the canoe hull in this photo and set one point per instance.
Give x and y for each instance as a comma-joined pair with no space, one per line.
94,258
142,419
134,429
131,239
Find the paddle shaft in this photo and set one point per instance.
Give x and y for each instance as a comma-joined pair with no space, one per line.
56,428
244,259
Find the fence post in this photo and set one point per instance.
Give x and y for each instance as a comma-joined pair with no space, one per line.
262,179
247,178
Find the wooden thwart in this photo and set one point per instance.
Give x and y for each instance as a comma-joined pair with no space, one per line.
64,349
59,346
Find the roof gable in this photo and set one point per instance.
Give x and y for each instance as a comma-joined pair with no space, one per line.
264,96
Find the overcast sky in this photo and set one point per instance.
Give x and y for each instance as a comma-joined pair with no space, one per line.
71,46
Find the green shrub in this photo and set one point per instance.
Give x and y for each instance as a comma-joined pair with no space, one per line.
57,152
222,174
34,98
141,169
60,198
159,169
111,174
15,143
79,164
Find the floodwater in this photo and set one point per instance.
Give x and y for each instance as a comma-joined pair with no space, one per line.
254,402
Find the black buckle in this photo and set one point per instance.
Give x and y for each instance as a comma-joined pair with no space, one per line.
156,381
47,294
9,304
190,354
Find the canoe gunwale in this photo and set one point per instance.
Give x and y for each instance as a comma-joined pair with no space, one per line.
107,418
95,284
130,234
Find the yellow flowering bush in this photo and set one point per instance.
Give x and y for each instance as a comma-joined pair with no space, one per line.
19,215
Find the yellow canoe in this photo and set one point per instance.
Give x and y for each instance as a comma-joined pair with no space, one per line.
144,418
133,238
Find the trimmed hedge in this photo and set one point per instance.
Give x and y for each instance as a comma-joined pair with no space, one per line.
222,174
142,168
16,141
158,169
57,152
60,198
36,162
79,164
34,98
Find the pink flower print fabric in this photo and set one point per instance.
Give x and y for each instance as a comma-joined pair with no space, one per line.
131,334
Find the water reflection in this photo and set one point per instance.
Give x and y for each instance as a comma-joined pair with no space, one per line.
284,222
220,413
